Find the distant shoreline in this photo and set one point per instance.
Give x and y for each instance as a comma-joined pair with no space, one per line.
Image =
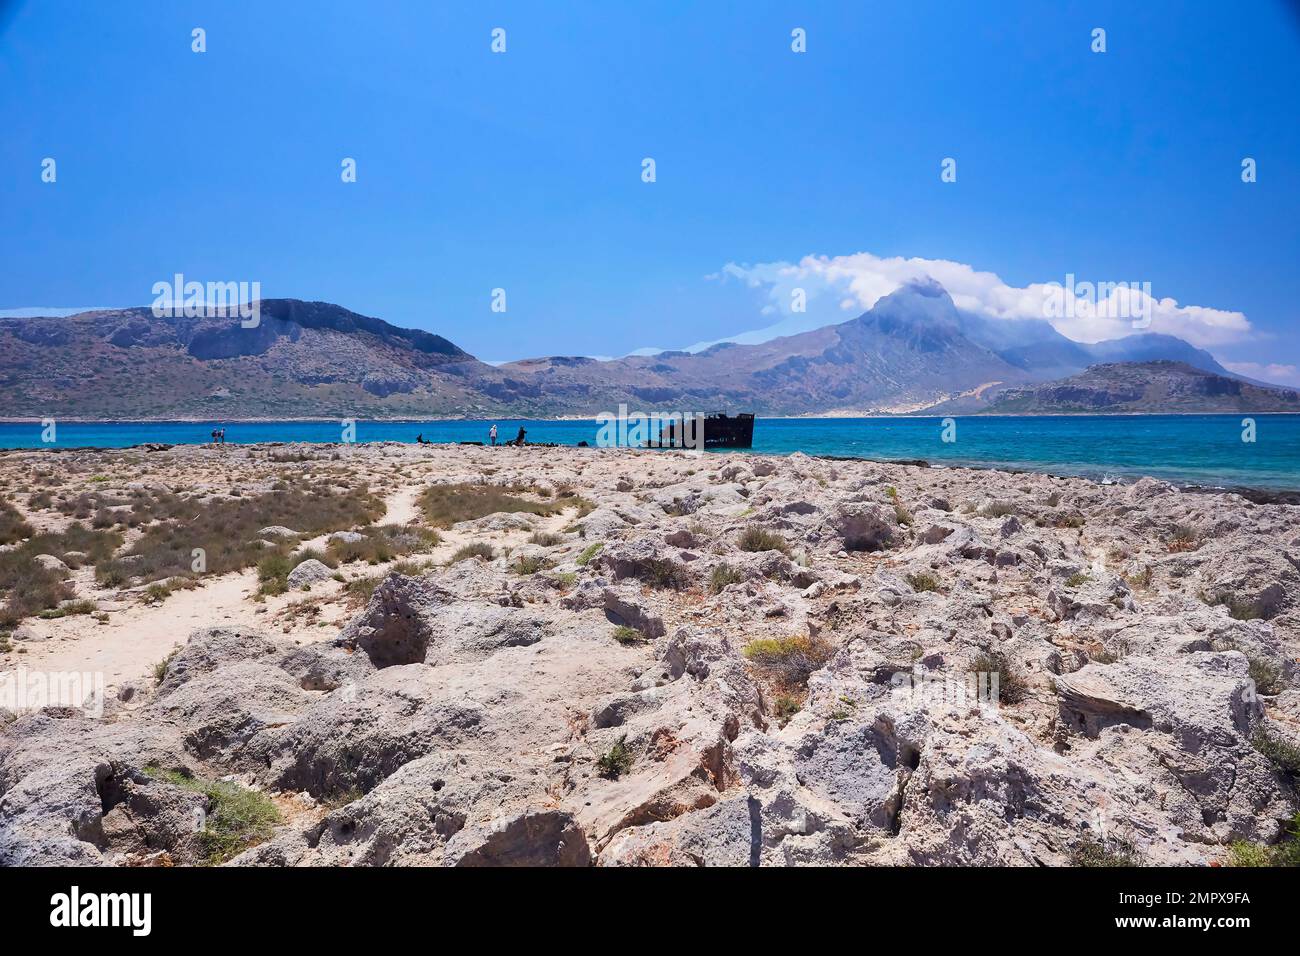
877,416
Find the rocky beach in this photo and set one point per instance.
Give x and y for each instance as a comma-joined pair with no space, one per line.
395,654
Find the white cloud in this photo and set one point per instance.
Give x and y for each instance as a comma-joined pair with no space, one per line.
1270,372
856,282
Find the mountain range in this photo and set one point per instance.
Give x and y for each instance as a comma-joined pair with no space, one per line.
914,350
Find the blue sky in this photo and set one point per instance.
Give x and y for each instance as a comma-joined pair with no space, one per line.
523,170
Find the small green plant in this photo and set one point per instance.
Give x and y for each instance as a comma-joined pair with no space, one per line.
157,592
628,636
1076,580
566,578
530,564
722,576
663,574
1286,852
360,589
754,539
1011,686
479,549
784,707
788,661
1140,580
273,573
1239,609
237,818
69,609
160,669
923,581
546,539
1107,852
588,553
1283,754
1183,537
1244,853
1266,675
616,761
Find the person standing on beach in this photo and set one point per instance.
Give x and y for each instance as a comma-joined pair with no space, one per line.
492,434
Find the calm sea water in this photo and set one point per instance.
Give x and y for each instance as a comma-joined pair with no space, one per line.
1202,449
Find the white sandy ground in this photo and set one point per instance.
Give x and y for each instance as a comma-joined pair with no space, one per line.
138,635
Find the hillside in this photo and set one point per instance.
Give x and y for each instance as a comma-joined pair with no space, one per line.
1145,387
913,349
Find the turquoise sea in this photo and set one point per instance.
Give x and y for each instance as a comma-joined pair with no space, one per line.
1194,449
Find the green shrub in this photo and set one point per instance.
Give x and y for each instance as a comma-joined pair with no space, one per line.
1266,675
1107,852
754,539
588,553
784,707
273,573
1140,580
12,525
1286,852
923,581
1012,688
616,761
479,549
1183,538
664,574
788,662
1078,579
445,505
1283,754
359,590
530,564
383,543
237,818
628,635
227,529
546,539
160,669
722,576
69,609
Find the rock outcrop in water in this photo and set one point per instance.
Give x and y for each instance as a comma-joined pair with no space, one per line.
656,694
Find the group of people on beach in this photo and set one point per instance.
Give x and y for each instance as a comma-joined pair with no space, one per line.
492,437
218,436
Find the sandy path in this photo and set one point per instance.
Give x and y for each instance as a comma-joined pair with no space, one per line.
138,635
401,506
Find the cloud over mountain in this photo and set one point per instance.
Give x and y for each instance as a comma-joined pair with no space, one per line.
853,283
